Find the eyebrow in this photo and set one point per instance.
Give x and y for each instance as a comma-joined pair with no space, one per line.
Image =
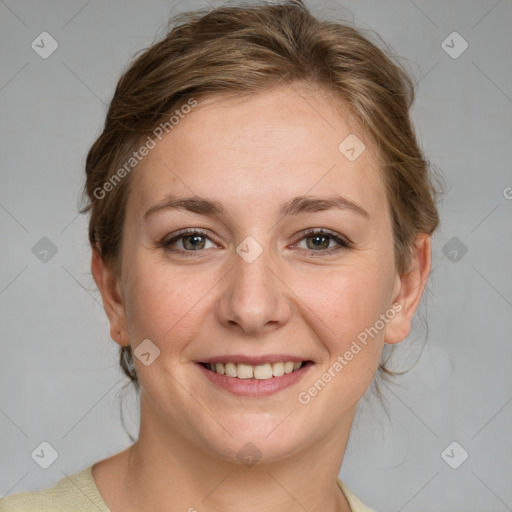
296,206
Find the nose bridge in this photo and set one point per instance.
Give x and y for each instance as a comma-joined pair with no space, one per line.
254,298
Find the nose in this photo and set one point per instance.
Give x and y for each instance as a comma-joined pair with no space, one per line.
255,299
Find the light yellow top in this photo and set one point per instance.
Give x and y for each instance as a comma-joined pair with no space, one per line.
78,493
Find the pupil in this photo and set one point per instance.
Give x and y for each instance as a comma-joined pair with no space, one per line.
194,240
320,238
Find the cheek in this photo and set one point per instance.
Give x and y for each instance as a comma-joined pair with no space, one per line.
347,299
343,308
162,302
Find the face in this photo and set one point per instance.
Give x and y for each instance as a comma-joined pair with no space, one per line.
288,258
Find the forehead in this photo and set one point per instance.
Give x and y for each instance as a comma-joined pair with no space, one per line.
261,148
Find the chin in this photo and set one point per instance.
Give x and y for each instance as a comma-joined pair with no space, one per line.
259,440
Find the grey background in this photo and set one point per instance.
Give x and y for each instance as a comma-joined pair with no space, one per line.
59,380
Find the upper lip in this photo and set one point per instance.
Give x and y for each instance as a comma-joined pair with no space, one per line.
253,360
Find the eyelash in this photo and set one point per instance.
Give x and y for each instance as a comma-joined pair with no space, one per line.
343,243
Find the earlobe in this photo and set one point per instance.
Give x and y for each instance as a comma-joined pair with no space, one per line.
113,303
410,290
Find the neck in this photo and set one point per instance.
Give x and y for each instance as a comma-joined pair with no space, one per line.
163,467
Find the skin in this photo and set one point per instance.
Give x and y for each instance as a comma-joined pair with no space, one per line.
252,156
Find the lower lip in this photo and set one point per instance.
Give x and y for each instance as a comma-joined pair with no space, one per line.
255,387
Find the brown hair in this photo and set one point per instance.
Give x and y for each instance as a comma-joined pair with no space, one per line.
245,49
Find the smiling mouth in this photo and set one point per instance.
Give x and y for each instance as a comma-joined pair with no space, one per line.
261,371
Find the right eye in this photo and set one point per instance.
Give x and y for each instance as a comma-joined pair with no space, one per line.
192,240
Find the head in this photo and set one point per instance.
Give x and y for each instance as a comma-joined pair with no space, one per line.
262,118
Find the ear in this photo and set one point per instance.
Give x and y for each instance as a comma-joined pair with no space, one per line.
113,302
409,290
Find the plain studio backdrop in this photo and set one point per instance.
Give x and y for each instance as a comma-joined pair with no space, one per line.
447,445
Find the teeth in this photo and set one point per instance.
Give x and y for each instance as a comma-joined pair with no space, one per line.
263,371
278,369
230,369
288,367
244,371
260,372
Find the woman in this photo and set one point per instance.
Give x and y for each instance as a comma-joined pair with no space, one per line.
260,222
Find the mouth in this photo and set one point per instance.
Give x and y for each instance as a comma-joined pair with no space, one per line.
254,380
260,372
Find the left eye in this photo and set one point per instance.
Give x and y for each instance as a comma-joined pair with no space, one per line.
319,241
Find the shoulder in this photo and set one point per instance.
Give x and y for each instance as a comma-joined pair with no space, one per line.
76,492
41,501
356,505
